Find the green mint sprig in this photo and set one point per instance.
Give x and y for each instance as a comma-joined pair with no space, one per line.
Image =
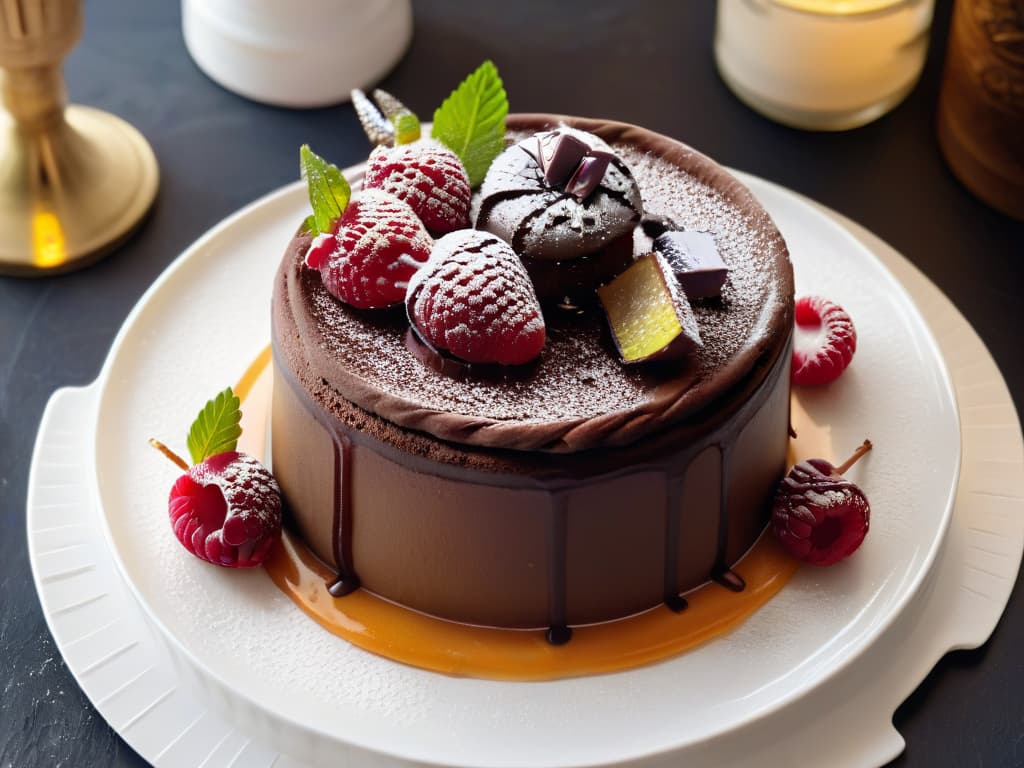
329,192
471,122
216,428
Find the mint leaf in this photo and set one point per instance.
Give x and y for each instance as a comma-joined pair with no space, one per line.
216,428
329,192
471,122
407,128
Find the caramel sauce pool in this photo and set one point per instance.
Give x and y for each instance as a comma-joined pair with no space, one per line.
413,638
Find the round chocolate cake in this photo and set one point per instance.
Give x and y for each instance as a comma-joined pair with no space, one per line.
577,489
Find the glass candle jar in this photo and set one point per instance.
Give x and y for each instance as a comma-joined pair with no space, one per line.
822,64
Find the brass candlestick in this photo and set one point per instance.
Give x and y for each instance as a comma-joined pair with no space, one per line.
75,181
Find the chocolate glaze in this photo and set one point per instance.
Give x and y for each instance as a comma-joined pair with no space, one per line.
574,519
590,400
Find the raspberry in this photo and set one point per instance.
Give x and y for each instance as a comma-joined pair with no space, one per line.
824,343
227,510
377,245
427,176
474,300
819,516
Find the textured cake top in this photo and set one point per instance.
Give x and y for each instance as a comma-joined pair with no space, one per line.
578,396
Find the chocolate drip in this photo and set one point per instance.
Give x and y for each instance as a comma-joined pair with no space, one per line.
559,632
559,635
347,581
722,573
673,523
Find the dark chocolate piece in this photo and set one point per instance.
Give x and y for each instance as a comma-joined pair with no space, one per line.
589,173
559,155
695,260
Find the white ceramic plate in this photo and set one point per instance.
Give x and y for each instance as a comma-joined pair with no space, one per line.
205,320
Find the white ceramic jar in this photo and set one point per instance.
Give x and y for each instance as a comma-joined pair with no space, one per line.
296,53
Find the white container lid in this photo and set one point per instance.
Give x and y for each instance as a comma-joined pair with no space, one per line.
303,53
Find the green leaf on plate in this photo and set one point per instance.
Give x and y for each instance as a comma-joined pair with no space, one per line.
471,122
329,192
216,428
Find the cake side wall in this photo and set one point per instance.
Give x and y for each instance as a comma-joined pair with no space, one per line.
490,552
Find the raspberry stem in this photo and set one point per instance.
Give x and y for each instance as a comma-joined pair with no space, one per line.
864,448
169,453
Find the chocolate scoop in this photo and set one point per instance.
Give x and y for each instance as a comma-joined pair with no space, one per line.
559,195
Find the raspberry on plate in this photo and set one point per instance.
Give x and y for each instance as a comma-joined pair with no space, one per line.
824,342
227,510
376,246
426,175
474,300
819,516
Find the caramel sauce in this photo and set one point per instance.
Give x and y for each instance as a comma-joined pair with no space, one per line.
413,638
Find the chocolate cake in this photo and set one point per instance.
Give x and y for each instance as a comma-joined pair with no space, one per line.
577,489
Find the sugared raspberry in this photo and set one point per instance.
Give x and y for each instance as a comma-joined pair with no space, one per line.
227,510
824,343
426,175
819,516
474,300
377,245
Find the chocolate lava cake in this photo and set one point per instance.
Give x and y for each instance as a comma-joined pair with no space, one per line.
579,490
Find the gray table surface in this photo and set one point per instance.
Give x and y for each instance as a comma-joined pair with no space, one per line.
647,62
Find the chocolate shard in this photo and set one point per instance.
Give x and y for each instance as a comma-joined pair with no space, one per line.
559,155
388,104
695,260
649,315
589,173
378,128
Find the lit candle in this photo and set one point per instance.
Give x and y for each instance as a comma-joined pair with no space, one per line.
822,64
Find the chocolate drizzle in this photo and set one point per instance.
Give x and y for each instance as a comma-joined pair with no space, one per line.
559,631
347,581
722,573
673,524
